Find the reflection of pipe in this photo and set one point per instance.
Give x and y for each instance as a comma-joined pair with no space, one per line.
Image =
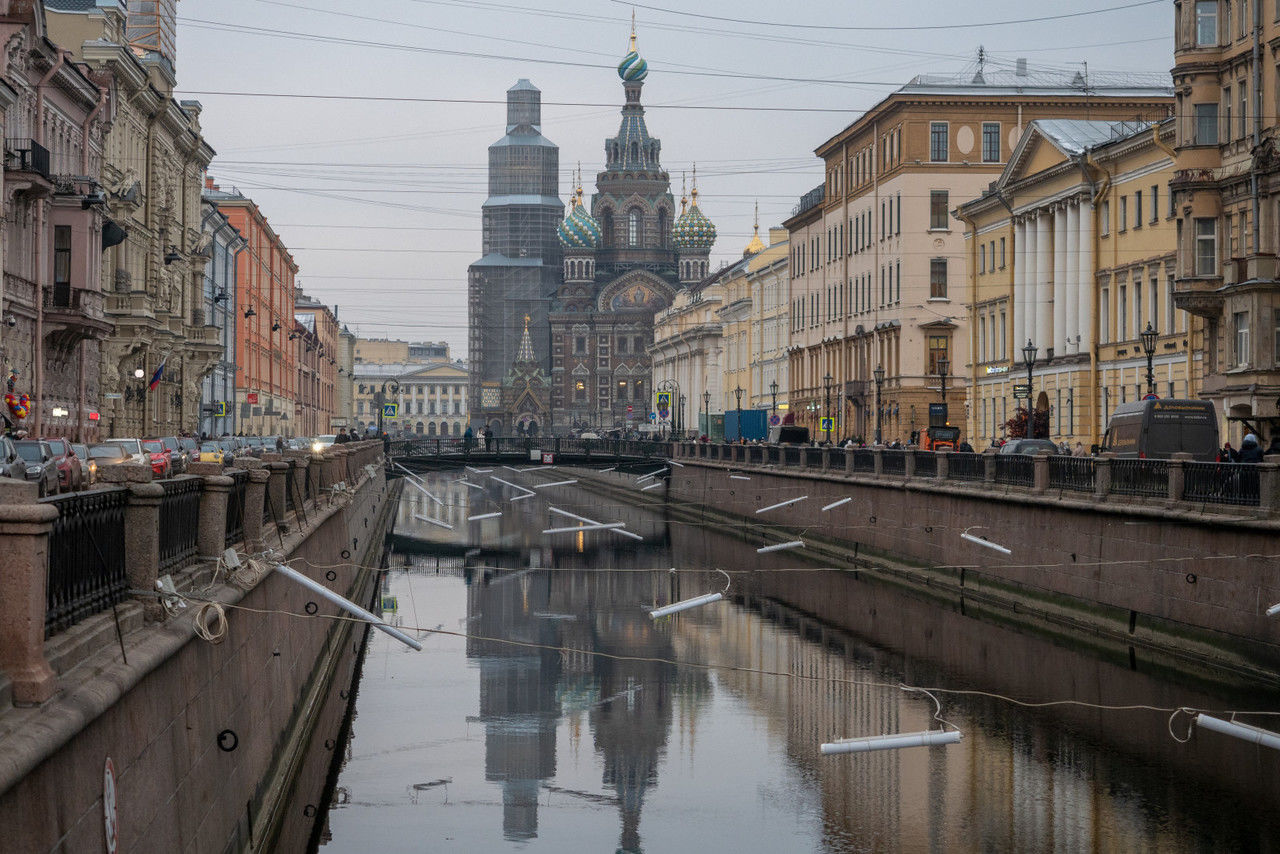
557,483
432,521
1252,734
347,605
685,605
424,491
599,526
1273,610
929,738
484,516
569,515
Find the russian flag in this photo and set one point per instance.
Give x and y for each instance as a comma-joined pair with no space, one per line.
155,380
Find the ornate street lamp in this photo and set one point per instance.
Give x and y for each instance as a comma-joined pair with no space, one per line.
773,389
826,408
1029,357
878,374
943,365
738,394
1148,337
706,403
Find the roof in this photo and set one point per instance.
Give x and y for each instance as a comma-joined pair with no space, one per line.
1003,81
395,370
1076,136
523,85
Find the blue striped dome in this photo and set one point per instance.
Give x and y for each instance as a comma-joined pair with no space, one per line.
579,230
633,69
693,230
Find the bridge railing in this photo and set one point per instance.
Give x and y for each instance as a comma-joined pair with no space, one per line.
1245,485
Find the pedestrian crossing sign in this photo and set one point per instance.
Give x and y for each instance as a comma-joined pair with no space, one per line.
828,424
389,410
220,408
663,404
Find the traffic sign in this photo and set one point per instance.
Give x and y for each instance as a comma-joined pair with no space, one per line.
1151,397
774,421
389,410
663,406
827,424
653,416
1021,391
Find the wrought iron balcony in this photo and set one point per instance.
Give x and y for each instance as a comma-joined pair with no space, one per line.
26,155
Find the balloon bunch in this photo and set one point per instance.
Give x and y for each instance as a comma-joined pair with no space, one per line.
19,404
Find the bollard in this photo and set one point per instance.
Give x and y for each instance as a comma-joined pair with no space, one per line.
214,498
1102,475
944,464
877,457
24,531
1269,484
1178,475
142,544
1040,471
255,493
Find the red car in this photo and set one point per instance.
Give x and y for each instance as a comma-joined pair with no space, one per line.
158,454
70,478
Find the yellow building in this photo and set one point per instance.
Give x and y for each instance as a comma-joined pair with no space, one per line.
686,351
389,351
768,277
430,398
1071,252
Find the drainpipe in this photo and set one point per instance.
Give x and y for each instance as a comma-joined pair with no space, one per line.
1257,124
38,262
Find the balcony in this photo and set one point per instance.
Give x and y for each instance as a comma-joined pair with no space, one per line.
26,156
855,389
72,315
19,290
810,200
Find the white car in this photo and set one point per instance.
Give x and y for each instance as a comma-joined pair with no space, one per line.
322,442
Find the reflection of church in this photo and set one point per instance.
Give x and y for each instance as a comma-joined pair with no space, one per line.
623,262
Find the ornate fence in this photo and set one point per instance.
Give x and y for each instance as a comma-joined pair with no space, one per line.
179,522
235,507
1221,483
1147,478
86,557
1015,470
1074,473
966,467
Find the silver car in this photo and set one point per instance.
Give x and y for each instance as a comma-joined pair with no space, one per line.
41,467
11,462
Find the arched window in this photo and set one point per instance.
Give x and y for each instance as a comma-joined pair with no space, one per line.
418,428
635,151
606,225
431,428
633,228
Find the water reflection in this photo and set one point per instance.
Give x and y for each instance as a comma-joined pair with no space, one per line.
570,720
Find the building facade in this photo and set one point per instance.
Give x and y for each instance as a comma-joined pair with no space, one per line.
385,351
430,399
316,354
517,275
223,245
624,262
688,348
877,258
1074,244
1227,202
266,369
344,385
56,111
768,276
152,174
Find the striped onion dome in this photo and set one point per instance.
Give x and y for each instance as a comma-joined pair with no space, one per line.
633,69
579,230
693,230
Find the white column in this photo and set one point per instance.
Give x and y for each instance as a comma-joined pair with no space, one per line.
1088,281
1019,283
1044,269
1028,309
1074,282
1060,282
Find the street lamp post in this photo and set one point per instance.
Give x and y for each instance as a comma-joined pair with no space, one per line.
773,389
1029,356
738,394
826,406
878,374
706,403
139,374
943,365
1148,337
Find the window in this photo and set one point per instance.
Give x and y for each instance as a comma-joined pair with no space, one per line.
1003,331
1205,131
1122,222
1137,305
1122,310
990,142
633,229
1206,22
1002,253
982,258
1240,327
1155,202
1104,218
1153,307
1172,210
1243,121
1276,345
1170,310
579,345
579,390
1137,209
938,278
897,229
938,209
1206,246
1226,110
937,352
62,265
938,145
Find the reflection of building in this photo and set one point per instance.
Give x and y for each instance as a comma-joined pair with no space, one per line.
516,276
1096,194
623,262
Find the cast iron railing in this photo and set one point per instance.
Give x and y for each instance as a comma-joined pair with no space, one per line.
1221,483
926,464
893,461
864,460
1015,469
86,557
179,521
1074,473
235,506
965,466
1148,478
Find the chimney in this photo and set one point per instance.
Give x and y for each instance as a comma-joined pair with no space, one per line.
208,183
1022,66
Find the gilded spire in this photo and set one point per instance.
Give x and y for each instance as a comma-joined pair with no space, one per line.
631,46
756,245
684,196
694,194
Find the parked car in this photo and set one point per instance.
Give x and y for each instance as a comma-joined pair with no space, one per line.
40,465
177,456
212,452
1029,446
132,447
11,462
110,454
322,442
229,451
158,456
254,445
88,468
190,447
69,478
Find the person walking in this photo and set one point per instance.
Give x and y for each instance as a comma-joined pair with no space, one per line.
1250,451
488,439
1078,451
467,438
342,438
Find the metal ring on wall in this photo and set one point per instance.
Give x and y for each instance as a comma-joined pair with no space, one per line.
331,575
346,555
311,607
228,740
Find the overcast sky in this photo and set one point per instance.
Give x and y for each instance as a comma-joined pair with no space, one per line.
380,201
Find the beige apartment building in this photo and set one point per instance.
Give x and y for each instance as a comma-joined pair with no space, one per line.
430,398
1227,200
390,351
768,282
878,263
1072,250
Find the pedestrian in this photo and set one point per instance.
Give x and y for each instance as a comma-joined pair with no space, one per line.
1078,451
1250,450
279,444
488,439
965,447
1227,454
342,438
467,438
386,443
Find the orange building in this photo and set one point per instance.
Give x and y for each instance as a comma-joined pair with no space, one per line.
266,359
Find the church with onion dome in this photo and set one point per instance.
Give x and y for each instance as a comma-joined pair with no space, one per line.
626,253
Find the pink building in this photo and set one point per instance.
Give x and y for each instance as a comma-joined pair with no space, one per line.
54,116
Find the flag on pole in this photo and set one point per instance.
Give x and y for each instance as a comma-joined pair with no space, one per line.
155,380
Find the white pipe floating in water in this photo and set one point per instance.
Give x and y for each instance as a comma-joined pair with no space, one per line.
412,474
834,504
599,526
433,521
650,486
523,497
645,477
676,464
782,504
424,491
484,516
1273,610
469,483
557,483
347,605
1251,734
929,738
794,544
685,605
569,515
996,546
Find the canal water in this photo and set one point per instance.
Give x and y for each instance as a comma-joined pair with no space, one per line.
549,712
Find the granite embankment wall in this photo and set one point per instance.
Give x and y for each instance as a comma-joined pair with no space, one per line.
207,739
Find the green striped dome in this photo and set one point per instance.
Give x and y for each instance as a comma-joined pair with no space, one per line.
633,69
693,230
579,230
